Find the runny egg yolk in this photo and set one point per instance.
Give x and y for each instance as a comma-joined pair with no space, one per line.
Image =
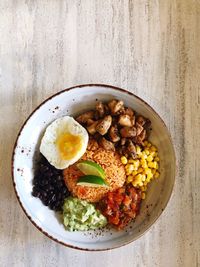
68,145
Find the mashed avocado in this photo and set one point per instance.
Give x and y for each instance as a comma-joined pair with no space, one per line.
79,215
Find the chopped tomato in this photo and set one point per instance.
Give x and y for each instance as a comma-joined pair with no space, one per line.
114,219
127,200
121,206
133,206
110,197
119,198
121,190
131,213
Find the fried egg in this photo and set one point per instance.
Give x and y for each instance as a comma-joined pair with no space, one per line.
64,142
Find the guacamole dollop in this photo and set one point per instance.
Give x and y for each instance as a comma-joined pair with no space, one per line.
79,215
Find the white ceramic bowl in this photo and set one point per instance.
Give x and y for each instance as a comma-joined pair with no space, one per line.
71,102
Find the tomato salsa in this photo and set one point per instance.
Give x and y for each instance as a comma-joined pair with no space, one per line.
121,206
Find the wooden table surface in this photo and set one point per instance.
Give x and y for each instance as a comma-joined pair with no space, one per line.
151,48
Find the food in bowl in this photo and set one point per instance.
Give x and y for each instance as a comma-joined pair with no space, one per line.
99,162
64,142
79,215
115,175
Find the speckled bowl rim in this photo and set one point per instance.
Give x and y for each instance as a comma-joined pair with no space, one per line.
24,124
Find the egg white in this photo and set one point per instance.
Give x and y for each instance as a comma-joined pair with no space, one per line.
48,145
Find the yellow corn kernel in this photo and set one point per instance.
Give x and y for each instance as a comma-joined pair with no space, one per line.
136,180
136,162
130,167
145,143
157,174
147,152
144,188
153,148
148,179
157,159
129,178
149,144
135,168
138,150
140,183
144,155
143,173
138,177
149,158
134,183
156,165
147,170
143,177
128,173
131,161
144,165
149,176
134,173
153,153
124,160
127,166
143,195
140,170
151,164
145,183
153,171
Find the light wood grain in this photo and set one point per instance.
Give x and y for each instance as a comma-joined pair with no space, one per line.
149,47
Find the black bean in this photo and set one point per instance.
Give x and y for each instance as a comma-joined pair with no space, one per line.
38,177
54,180
41,183
49,186
44,169
59,184
51,193
44,194
59,196
49,201
59,178
53,198
45,182
45,201
49,173
56,173
36,182
35,193
64,190
52,206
